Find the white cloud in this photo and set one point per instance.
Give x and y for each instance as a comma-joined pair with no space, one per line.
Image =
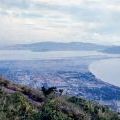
60,2
59,20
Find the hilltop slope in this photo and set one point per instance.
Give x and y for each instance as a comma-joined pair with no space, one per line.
22,103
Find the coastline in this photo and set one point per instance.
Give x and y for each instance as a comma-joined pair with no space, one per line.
103,69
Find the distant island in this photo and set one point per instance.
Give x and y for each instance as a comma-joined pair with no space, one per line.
113,50
58,46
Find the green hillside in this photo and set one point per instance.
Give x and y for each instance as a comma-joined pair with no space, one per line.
22,103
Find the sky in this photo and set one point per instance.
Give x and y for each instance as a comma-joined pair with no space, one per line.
29,21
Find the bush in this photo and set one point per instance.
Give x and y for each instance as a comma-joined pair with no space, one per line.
16,107
49,112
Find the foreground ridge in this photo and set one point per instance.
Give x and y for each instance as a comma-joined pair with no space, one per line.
19,102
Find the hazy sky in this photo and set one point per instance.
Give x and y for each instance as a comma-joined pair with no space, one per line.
26,21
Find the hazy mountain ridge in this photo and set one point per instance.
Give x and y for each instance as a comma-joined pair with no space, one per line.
54,46
113,50
59,46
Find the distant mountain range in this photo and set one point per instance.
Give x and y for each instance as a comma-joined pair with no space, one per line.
55,46
113,50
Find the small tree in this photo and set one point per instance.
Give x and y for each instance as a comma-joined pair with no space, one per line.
60,91
48,91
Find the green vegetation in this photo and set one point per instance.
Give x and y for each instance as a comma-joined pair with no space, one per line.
96,111
16,107
22,103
